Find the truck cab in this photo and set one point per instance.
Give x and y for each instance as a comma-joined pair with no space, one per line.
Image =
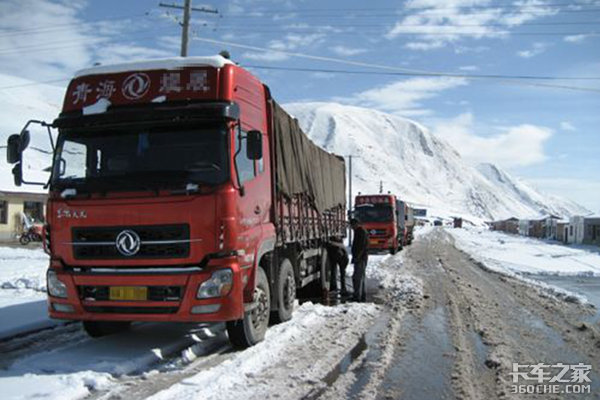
378,214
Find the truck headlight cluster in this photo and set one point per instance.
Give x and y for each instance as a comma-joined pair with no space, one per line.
56,288
218,285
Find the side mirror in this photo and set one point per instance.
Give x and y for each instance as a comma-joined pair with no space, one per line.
17,172
13,152
25,137
254,145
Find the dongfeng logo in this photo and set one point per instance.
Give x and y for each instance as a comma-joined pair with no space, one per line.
128,243
372,231
135,86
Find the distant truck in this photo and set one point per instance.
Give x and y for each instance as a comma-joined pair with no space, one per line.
407,221
389,221
181,191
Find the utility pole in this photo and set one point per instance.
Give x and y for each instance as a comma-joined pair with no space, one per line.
380,187
350,193
185,31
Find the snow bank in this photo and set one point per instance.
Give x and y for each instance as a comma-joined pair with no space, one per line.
523,258
23,269
23,291
291,361
523,255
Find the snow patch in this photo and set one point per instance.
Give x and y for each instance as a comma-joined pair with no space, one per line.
99,107
164,63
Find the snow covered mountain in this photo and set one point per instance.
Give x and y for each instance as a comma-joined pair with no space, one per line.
20,101
418,166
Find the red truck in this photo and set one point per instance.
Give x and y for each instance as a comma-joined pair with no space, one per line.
181,191
388,220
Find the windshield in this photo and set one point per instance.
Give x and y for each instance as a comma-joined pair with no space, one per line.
374,213
141,158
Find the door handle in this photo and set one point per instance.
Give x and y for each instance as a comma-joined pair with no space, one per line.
257,210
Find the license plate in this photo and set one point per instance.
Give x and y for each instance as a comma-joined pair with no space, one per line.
128,293
373,241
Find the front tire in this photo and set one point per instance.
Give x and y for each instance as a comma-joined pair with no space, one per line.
286,293
104,328
251,329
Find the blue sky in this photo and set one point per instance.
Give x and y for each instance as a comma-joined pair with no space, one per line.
545,134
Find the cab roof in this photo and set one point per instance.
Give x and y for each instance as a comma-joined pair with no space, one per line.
156,64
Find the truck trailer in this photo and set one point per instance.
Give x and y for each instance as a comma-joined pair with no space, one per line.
181,191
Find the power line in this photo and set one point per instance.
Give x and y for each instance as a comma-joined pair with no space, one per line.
376,66
569,6
426,33
359,25
453,75
16,32
536,12
35,83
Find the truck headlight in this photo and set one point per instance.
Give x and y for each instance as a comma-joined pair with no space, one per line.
56,288
218,285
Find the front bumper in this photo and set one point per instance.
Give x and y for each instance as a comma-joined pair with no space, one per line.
381,243
219,309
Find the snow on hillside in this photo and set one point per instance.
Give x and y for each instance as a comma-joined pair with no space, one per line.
21,101
418,166
546,203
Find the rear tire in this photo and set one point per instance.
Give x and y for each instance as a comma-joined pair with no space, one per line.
286,293
24,239
103,328
251,329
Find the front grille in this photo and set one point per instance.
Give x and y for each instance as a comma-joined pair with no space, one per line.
131,310
157,241
155,293
377,232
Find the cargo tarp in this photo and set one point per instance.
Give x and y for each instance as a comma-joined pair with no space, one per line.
303,167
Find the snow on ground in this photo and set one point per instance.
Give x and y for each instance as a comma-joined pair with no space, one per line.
292,360
80,364
23,291
523,255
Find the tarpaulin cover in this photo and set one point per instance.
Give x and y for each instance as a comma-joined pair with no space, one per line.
304,167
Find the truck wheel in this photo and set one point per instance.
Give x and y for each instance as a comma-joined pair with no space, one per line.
103,328
251,329
24,239
286,293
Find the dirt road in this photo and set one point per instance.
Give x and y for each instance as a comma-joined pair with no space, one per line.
460,336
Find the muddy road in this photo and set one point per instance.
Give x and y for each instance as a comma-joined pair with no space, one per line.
459,333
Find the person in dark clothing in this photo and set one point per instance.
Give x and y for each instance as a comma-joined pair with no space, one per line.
338,257
360,256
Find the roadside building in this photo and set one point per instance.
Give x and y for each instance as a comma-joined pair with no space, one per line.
12,207
576,230
562,230
550,226
510,225
524,227
591,230
536,228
